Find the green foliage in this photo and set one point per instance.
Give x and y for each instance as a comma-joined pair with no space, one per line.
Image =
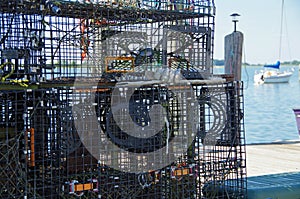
218,62
294,63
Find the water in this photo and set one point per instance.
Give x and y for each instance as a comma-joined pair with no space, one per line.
269,112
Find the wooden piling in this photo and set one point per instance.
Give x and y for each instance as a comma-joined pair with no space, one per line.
233,54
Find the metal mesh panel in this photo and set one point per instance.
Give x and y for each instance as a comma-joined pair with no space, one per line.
138,74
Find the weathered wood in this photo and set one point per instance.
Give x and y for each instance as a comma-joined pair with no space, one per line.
233,54
264,159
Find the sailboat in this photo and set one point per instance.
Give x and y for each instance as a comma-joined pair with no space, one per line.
271,72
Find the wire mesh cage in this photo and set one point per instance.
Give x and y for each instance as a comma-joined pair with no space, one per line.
116,99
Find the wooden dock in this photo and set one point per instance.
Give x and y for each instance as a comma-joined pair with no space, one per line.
273,170
273,158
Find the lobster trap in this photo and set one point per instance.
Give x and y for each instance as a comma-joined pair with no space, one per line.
116,99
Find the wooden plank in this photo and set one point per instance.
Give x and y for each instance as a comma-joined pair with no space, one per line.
273,158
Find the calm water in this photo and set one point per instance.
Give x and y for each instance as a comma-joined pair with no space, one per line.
269,112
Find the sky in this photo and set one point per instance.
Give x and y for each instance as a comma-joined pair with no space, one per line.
260,24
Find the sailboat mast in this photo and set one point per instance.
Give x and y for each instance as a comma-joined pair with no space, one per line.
281,27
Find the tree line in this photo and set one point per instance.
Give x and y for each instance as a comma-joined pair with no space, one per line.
220,62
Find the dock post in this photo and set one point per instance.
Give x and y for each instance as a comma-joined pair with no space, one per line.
233,54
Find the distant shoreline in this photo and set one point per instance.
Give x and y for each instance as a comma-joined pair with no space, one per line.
255,65
218,62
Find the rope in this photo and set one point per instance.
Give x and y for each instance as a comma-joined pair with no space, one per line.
9,74
245,65
20,82
13,175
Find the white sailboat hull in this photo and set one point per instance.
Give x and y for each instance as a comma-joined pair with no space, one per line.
281,78
273,77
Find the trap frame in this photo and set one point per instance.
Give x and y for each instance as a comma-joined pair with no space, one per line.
67,61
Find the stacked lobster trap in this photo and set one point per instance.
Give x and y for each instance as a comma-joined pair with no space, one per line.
116,99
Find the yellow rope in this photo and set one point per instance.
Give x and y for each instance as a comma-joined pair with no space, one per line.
20,82
9,74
